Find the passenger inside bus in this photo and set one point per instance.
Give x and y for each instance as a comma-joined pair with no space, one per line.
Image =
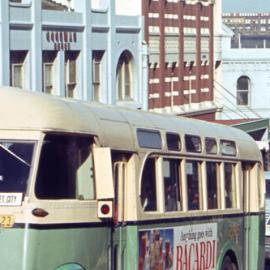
170,198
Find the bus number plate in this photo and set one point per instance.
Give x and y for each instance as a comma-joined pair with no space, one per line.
6,221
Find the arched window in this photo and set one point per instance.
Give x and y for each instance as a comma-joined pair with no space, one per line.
124,76
243,89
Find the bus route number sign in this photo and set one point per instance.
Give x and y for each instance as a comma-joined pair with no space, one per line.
6,221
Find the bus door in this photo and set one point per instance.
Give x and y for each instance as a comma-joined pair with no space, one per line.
119,229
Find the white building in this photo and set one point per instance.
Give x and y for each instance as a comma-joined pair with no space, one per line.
243,89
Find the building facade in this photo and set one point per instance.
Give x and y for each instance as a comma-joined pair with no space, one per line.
244,87
251,30
242,91
184,55
81,49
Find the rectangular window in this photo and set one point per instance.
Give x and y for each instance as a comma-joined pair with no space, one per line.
17,75
242,97
96,72
230,185
149,139
173,142
17,68
71,72
193,143
154,49
15,165
48,80
171,49
96,78
171,178
193,186
227,148
212,184
48,60
65,168
210,146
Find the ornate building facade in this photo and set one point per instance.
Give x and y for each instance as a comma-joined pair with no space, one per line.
184,55
80,49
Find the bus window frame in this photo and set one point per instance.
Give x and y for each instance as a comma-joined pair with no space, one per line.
235,184
218,184
202,185
201,203
179,203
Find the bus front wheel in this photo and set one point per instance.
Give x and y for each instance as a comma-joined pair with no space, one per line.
228,264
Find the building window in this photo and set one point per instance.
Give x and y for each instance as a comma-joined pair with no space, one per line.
70,73
17,77
17,68
243,89
124,77
99,4
171,49
48,84
97,57
48,59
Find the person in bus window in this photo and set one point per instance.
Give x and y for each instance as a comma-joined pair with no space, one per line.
149,203
170,199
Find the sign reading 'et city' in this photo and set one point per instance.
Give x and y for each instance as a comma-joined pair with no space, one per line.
61,39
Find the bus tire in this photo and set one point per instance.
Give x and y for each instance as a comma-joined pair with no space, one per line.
228,264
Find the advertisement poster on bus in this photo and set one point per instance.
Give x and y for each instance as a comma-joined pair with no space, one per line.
179,248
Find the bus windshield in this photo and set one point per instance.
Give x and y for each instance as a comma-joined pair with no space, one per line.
15,164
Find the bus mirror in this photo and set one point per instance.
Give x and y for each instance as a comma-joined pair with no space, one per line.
103,174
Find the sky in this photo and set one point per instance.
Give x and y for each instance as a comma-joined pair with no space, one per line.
245,5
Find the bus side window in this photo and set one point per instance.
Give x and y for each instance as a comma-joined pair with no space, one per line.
212,184
148,186
65,168
230,192
171,173
192,176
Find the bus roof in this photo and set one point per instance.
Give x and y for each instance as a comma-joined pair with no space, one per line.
115,126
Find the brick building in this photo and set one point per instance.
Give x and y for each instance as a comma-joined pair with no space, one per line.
184,55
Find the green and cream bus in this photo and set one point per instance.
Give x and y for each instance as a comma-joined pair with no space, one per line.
86,186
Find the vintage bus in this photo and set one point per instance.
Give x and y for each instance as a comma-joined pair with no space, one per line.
87,186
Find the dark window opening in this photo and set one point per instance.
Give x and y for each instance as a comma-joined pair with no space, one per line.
210,146
171,177
148,188
193,143
65,168
230,192
192,174
212,178
173,142
15,165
